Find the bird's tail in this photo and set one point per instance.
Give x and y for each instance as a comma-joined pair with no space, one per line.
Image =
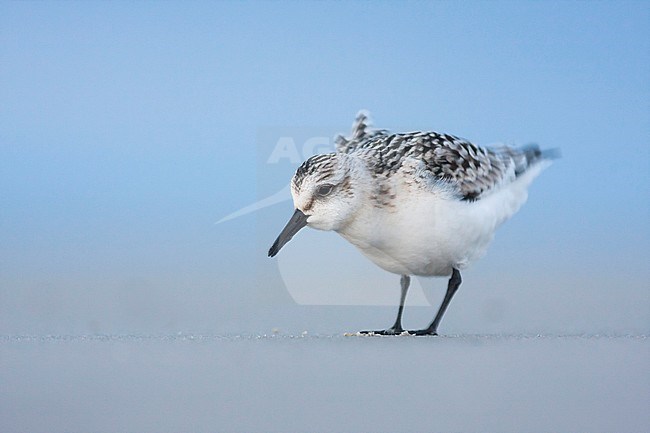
526,156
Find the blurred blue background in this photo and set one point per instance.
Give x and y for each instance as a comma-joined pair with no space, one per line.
128,129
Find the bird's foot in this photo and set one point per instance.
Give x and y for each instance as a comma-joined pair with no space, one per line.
400,331
389,331
422,332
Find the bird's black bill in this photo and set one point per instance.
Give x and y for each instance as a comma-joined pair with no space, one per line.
297,221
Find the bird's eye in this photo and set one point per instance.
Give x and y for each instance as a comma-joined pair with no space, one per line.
325,190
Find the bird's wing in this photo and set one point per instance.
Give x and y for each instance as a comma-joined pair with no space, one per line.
473,171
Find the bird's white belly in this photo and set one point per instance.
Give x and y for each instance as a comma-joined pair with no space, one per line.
421,261
429,235
419,240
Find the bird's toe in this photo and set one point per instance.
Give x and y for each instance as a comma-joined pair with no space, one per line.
389,331
423,332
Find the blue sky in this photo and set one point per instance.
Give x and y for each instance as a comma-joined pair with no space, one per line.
128,129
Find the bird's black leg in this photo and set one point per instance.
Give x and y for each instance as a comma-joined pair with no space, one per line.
405,281
452,286
396,329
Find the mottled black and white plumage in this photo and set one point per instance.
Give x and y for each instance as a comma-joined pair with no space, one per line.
418,203
471,169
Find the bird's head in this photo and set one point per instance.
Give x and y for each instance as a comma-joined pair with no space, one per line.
324,194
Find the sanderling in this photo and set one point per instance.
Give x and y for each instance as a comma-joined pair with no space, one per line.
418,203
